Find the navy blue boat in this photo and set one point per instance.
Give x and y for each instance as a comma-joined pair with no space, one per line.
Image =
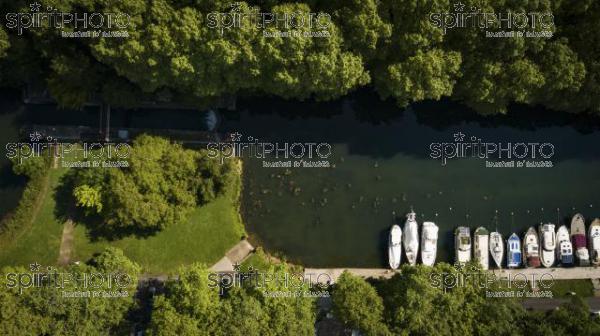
513,248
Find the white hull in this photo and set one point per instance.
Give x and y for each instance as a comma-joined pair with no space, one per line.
548,245
531,249
411,238
481,247
497,248
429,240
563,244
395,247
594,242
462,242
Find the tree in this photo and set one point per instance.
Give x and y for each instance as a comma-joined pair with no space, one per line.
46,310
357,304
192,306
32,167
88,197
429,75
163,183
4,43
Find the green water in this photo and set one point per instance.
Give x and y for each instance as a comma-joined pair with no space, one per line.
340,216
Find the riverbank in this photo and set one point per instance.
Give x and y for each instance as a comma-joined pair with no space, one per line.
556,273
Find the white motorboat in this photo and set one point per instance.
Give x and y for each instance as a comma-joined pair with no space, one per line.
531,248
462,241
395,246
497,248
429,238
481,247
411,238
548,244
594,241
564,247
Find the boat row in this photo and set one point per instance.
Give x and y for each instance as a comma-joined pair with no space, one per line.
542,247
409,239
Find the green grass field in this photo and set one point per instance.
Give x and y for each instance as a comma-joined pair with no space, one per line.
581,287
208,233
205,237
39,239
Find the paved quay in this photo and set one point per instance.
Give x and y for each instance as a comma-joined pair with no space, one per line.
322,275
236,255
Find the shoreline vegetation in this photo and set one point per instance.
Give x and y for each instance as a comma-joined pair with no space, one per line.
205,235
394,47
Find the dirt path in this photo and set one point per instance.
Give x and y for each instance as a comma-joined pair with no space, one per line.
66,243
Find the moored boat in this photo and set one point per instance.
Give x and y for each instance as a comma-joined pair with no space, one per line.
531,248
548,244
481,247
564,248
411,238
513,253
395,246
582,255
462,241
429,238
594,241
496,248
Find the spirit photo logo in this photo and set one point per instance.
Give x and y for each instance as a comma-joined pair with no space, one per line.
252,147
473,147
40,16
242,16
48,146
472,17
38,277
289,284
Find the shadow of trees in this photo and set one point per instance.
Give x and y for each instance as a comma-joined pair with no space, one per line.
97,228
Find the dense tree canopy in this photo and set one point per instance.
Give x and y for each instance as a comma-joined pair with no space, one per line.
191,307
162,184
46,310
173,47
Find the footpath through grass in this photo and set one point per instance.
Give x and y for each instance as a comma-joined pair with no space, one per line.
209,232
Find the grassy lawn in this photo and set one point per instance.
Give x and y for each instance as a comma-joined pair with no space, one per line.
206,236
581,287
209,232
38,240
257,260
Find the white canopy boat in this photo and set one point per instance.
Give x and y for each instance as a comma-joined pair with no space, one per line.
462,241
594,242
411,238
564,247
497,248
548,244
481,247
429,238
395,246
531,248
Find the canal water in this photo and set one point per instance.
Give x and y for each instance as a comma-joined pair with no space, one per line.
381,163
11,186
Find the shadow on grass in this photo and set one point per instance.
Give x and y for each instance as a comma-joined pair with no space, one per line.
97,229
